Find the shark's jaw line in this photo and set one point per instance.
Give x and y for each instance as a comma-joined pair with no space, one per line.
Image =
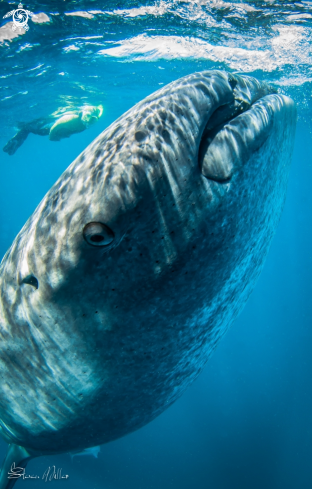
219,153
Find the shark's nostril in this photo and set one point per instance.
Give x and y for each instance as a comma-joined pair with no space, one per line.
31,280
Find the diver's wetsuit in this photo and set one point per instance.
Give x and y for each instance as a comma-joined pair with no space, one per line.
56,127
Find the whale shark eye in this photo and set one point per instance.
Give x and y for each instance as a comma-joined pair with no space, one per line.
98,234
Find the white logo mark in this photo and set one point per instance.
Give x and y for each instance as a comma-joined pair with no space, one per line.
20,17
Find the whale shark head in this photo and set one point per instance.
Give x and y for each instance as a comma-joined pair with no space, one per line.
133,266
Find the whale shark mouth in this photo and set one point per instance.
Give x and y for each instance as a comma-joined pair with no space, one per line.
237,129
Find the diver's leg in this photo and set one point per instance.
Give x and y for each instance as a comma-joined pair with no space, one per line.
41,127
17,141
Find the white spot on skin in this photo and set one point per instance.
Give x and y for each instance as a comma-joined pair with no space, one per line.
24,267
10,293
79,185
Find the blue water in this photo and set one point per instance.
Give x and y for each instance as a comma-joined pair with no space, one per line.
246,423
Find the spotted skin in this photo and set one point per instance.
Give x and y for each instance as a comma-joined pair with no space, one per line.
113,335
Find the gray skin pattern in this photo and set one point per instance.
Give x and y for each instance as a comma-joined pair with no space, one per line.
104,325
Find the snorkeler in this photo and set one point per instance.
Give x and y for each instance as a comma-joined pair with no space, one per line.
57,129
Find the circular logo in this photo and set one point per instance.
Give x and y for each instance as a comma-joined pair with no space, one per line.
20,18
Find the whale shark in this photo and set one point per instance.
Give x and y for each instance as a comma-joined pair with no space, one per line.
122,282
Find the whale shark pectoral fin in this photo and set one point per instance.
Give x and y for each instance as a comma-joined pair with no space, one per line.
93,451
13,466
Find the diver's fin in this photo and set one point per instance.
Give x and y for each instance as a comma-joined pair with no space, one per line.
15,461
15,142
